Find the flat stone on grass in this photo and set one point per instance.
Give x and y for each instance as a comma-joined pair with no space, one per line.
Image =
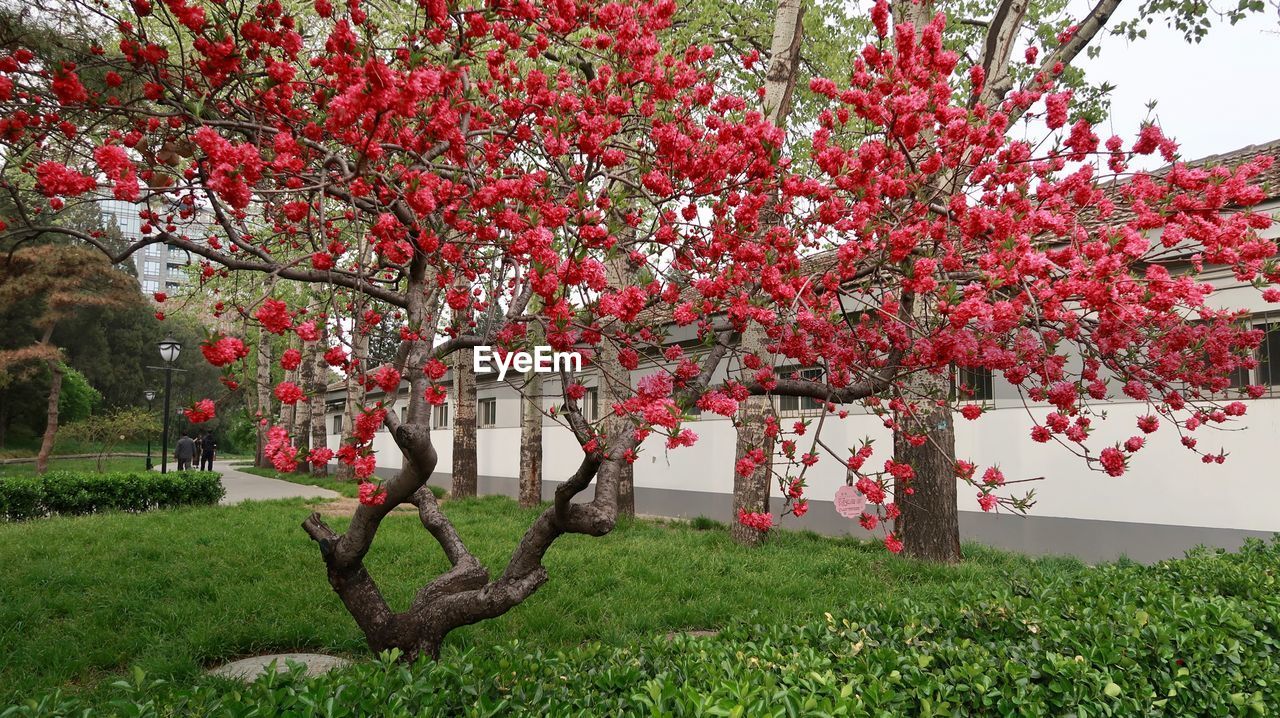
249,669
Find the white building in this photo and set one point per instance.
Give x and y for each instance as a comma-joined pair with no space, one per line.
1166,503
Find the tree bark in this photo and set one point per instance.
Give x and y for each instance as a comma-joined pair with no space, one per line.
614,386
464,426
289,412
354,400
263,379
51,416
531,441
306,411
751,492
929,524
318,389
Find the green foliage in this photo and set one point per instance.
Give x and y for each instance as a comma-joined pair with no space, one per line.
1199,636
74,493
703,523
239,434
82,599
104,431
78,398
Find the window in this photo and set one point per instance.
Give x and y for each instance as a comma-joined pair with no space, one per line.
792,405
151,267
974,384
440,416
153,250
488,411
172,286
150,286
591,404
1269,354
337,424
1267,373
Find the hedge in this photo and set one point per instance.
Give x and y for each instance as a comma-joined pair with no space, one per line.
1192,637
75,492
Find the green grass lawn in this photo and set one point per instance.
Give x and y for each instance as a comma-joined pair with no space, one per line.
114,463
83,599
346,488
350,489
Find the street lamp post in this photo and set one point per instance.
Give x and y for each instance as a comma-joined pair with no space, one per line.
151,395
169,350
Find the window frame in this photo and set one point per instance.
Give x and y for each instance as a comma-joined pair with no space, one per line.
484,407
804,406
440,416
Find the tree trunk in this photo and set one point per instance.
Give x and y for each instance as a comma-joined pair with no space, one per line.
929,525
751,492
464,426
4,418
354,401
289,412
531,441
614,386
319,389
263,379
51,414
306,411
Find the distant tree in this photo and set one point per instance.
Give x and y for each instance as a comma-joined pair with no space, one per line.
56,281
105,431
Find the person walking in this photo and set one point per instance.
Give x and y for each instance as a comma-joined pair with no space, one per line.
185,451
207,447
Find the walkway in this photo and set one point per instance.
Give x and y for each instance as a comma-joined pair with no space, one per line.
242,486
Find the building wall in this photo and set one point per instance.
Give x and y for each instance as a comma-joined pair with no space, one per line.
1165,484
160,268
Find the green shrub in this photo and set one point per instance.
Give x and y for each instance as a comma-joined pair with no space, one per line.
74,493
1193,637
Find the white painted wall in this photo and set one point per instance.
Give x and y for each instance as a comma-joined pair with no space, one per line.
1165,484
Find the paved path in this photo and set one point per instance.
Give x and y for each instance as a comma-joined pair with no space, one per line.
241,486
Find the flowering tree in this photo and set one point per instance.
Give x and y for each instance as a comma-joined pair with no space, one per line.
987,253
395,167
480,156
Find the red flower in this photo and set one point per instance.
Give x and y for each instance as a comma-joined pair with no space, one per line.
289,393
201,412
274,315
224,351
160,296
320,457
371,495
388,378
307,331
291,360
757,521
335,356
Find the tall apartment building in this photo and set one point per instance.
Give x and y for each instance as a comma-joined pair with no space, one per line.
160,268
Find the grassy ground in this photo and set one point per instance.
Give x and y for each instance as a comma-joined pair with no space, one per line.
117,463
85,598
346,488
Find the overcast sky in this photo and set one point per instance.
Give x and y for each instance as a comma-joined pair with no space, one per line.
1213,97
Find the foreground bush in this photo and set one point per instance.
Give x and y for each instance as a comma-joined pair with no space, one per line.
1199,636
74,493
